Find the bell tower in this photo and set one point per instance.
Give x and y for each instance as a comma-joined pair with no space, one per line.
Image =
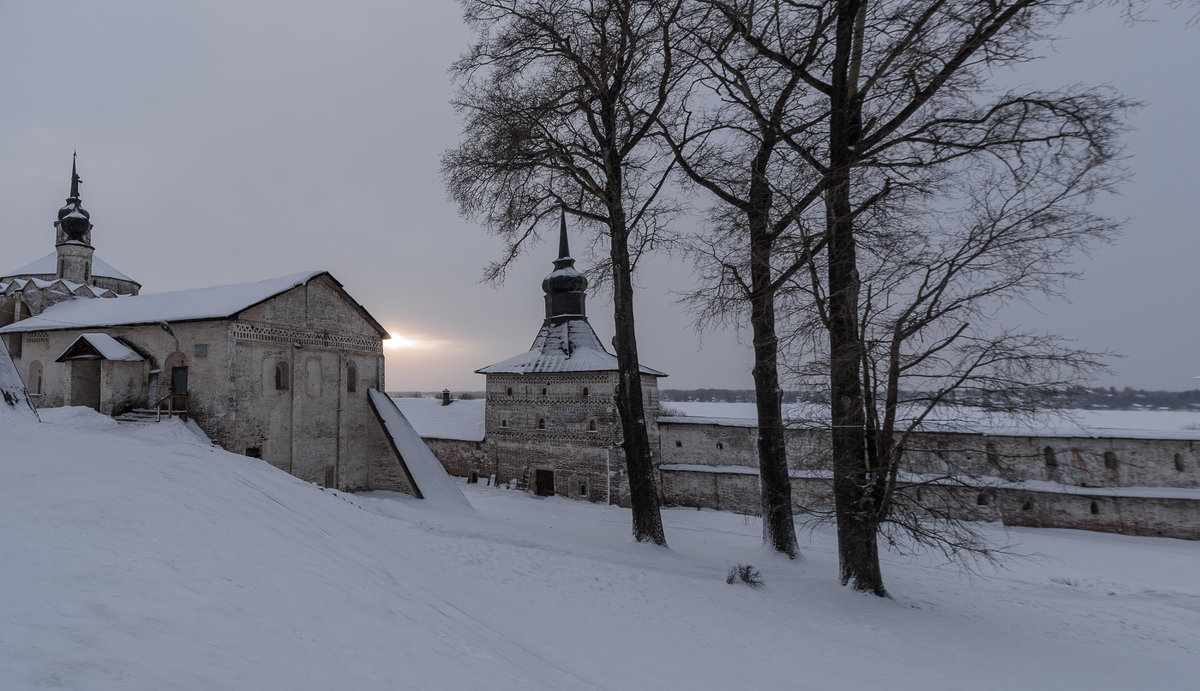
73,236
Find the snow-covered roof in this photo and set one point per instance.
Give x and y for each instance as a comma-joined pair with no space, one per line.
49,265
461,420
1077,423
217,302
103,345
566,346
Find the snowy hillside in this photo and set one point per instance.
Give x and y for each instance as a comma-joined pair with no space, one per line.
142,558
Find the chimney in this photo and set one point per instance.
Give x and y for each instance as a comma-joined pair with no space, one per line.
445,396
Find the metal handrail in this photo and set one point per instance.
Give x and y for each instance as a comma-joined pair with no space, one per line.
170,399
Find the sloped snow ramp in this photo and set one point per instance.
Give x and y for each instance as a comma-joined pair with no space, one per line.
14,400
429,479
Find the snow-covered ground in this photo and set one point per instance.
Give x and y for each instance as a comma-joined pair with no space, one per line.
141,558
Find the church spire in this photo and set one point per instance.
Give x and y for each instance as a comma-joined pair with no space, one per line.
74,178
565,287
74,235
73,219
564,252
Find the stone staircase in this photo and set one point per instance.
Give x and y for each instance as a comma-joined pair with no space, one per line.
139,416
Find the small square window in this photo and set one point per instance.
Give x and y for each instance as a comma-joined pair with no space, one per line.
678,443
200,350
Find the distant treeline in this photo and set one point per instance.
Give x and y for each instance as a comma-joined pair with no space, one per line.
1111,397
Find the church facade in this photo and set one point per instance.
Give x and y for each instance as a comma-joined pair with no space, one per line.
277,369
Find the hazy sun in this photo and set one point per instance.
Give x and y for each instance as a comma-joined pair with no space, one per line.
398,341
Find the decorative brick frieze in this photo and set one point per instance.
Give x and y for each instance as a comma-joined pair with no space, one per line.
243,331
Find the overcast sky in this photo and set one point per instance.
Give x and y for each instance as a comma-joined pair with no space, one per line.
222,142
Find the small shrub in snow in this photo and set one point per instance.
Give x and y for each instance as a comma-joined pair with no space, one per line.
746,574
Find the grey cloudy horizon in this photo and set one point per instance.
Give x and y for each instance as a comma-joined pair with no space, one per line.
223,142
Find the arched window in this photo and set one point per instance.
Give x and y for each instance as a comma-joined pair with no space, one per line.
1110,461
509,391
504,424
1028,505
591,425
981,500
720,446
1095,507
541,423
351,377
282,380
1179,465
585,391
35,378
1051,459
543,391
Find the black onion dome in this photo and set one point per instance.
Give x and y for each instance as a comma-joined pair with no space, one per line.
73,218
565,278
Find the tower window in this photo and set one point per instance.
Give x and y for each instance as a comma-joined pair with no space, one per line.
1179,465
678,444
541,423
1051,459
1110,460
720,446
504,424
543,391
509,391
351,377
585,391
281,376
591,425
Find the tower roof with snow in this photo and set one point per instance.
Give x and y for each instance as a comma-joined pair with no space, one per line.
566,342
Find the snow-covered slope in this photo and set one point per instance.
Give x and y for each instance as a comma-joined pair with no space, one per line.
425,471
142,558
15,406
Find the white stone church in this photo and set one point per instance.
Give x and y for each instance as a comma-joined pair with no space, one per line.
277,369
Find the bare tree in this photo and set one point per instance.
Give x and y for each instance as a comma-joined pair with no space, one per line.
560,98
728,130
904,125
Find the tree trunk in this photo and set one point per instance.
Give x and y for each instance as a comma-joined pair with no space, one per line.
639,461
857,520
774,484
